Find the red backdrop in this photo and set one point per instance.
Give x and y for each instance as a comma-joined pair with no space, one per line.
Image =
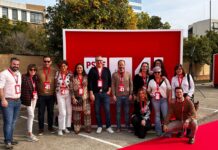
215,70
124,43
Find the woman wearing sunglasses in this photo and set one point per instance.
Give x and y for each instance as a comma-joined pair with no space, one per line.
29,97
159,89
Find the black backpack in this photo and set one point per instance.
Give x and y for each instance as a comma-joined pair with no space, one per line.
196,104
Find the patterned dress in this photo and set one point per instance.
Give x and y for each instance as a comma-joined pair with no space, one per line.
83,105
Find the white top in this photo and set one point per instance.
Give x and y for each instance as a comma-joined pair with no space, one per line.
184,85
165,85
7,83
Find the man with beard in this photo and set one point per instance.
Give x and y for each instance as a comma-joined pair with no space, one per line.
10,90
184,112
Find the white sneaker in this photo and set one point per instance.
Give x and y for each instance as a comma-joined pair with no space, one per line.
66,131
110,130
99,130
32,138
60,132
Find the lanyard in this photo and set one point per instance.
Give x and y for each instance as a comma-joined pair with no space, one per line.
14,76
182,110
63,77
157,84
121,74
100,73
180,78
46,74
33,83
80,81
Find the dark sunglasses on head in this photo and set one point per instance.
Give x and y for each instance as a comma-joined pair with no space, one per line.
45,61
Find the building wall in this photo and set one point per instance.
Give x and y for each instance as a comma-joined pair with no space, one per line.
199,28
136,5
29,8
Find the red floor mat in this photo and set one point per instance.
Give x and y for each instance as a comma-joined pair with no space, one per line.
206,139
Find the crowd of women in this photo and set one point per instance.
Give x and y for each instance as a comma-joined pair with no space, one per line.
150,91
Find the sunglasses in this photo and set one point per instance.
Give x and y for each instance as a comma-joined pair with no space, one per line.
32,70
157,72
45,61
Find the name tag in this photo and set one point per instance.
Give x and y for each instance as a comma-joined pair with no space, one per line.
80,91
35,95
17,89
100,83
47,85
121,88
63,90
157,95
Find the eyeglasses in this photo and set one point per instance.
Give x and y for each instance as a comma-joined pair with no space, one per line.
157,72
45,61
32,70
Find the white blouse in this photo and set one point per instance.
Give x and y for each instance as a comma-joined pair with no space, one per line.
165,85
184,85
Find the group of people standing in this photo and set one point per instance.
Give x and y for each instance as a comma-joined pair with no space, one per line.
75,91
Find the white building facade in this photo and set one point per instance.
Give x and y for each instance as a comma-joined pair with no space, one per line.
22,12
136,5
201,27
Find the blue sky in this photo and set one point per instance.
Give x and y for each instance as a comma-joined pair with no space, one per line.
179,13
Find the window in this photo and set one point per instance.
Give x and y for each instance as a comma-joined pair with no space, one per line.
14,14
136,1
23,16
36,17
137,7
5,12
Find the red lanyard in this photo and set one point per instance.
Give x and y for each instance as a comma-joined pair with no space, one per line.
157,84
180,78
80,81
46,74
63,77
15,76
100,73
182,109
33,83
141,105
121,74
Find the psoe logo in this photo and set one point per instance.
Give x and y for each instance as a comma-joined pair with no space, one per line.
89,62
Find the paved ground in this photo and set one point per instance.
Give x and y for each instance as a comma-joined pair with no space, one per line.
208,111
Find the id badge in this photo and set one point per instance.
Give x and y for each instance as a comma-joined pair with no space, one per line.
80,91
47,85
144,87
100,83
121,88
35,95
63,90
17,89
157,95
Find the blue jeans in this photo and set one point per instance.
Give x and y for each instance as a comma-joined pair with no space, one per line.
102,98
10,115
122,100
159,105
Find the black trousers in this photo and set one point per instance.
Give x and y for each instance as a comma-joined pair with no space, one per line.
140,130
43,102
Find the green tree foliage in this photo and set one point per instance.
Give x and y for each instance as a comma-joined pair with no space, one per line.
87,14
197,49
144,21
213,36
21,38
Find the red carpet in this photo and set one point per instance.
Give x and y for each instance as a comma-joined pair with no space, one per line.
206,139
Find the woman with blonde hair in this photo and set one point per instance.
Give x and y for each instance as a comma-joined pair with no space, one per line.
141,115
